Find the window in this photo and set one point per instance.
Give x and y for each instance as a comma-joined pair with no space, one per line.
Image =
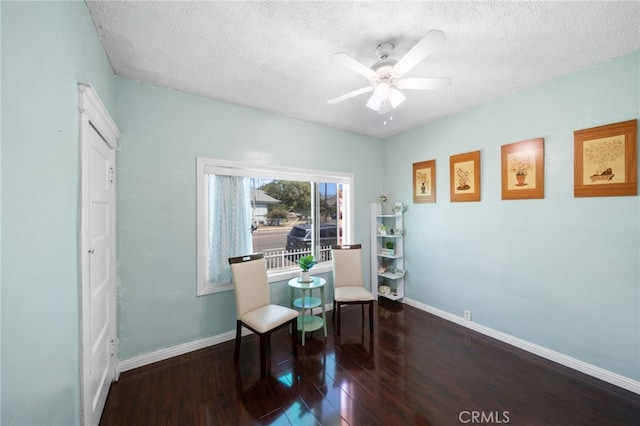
283,212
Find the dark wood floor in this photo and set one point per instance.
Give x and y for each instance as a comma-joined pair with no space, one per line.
417,370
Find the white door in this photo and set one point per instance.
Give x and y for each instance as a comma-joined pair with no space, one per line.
98,136
101,287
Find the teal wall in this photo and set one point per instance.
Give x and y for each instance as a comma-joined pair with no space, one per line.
163,133
47,48
560,272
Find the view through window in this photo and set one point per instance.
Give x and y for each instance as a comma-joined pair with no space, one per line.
283,217
289,213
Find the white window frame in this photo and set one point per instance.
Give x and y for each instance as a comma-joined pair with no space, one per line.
207,166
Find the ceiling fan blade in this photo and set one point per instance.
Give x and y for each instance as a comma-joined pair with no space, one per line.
427,83
350,95
354,65
431,41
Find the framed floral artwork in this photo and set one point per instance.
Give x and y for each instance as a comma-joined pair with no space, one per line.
523,170
424,182
605,162
464,175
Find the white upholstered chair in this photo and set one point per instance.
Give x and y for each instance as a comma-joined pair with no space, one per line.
254,308
348,282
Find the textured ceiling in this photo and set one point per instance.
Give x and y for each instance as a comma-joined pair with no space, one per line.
277,56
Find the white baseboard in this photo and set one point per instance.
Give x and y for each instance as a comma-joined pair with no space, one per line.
567,361
166,353
162,354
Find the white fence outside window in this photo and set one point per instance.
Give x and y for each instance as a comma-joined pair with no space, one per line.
280,258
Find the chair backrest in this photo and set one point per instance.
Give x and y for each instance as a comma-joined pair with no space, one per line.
347,265
251,282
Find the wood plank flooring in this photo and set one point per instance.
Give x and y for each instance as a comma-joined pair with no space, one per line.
417,370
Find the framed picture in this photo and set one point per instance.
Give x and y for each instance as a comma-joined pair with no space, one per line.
424,182
605,162
523,170
464,173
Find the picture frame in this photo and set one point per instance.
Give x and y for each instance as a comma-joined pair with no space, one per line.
424,182
605,160
464,175
523,170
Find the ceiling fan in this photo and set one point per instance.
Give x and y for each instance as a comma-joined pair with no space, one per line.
385,76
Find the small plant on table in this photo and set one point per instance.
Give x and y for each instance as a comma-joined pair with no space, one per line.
305,263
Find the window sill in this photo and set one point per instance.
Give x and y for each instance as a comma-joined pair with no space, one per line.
213,288
295,272
274,277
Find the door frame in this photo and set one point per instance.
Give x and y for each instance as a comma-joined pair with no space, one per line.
92,114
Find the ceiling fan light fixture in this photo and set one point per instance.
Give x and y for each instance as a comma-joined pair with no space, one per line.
382,90
385,99
396,97
385,107
374,102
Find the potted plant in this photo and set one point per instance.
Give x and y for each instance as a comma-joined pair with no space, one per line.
388,249
305,263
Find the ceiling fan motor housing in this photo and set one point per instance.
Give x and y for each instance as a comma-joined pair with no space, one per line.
384,72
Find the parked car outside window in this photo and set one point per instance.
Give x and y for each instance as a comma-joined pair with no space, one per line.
299,238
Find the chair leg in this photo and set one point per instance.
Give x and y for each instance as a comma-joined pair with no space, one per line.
362,313
333,313
338,314
263,354
294,337
370,317
236,352
269,346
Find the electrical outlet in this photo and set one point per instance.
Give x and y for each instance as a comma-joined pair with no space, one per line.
467,315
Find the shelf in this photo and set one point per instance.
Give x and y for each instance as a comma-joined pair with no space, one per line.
307,302
311,322
390,296
391,276
395,256
387,264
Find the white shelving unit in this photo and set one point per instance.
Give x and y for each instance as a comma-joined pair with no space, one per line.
387,267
